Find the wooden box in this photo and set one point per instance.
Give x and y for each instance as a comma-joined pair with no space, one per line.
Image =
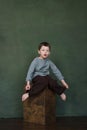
41,108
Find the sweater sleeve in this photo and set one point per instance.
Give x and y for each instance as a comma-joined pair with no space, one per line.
56,71
31,70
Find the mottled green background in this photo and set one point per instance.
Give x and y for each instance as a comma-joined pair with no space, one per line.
26,23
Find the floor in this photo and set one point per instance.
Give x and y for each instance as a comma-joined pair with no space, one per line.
62,123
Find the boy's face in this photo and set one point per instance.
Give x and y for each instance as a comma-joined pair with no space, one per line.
44,52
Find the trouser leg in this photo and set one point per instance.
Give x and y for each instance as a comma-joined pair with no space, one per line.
39,83
53,85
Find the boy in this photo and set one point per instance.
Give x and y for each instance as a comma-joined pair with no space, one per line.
39,75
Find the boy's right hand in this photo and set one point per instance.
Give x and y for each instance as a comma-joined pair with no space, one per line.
27,87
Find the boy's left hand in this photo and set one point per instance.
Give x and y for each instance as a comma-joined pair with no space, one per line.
64,84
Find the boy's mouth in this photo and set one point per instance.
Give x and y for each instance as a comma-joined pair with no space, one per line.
45,55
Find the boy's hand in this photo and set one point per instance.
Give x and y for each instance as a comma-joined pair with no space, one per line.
27,87
64,84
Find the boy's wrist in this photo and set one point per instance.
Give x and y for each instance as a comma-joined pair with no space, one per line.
28,82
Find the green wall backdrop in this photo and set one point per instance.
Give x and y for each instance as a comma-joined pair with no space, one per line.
26,23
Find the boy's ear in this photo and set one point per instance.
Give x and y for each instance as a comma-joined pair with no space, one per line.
38,52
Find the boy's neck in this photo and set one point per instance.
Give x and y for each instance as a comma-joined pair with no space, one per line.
42,58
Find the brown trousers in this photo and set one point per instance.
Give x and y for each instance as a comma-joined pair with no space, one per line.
39,83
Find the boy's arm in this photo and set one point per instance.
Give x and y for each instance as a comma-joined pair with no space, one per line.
58,74
30,74
31,70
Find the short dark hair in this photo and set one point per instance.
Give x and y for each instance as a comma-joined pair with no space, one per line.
44,44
